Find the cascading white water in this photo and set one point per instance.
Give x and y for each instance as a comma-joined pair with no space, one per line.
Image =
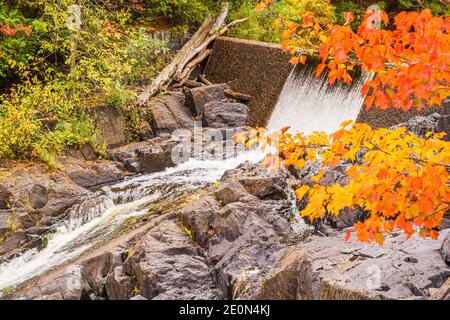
87,224
307,104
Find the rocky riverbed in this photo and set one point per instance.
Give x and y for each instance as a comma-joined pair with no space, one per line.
230,235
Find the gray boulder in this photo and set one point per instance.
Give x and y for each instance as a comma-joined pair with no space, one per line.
218,114
230,192
197,98
331,268
165,265
91,174
168,114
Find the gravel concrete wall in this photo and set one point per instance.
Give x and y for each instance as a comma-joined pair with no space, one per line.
255,68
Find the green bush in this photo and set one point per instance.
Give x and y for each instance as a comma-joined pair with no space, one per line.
37,122
189,12
42,116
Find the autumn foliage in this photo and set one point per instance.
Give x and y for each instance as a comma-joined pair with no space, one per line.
399,179
407,63
402,180
10,31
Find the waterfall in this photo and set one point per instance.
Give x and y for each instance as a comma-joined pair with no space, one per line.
308,104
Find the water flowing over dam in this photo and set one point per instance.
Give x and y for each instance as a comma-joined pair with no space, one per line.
308,104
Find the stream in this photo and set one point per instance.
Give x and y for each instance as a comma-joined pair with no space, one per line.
87,225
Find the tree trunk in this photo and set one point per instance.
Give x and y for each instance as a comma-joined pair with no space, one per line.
181,58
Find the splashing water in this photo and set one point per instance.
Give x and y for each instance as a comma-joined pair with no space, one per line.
307,104
99,215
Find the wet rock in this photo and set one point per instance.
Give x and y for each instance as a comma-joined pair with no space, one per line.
169,114
13,242
258,181
197,98
38,193
244,237
91,174
217,114
233,220
127,152
68,286
119,285
165,264
246,244
147,156
445,249
152,159
198,216
31,197
128,155
265,187
330,268
95,270
230,192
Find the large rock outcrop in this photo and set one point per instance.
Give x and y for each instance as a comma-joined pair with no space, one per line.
218,114
331,268
30,199
168,114
197,98
110,122
166,266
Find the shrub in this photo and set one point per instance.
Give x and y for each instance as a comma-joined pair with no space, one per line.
37,122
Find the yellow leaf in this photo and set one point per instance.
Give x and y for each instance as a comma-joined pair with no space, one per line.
300,192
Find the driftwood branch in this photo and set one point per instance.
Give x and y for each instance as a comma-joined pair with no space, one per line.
215,36
442,292
203,79
191,66
194,84
181,58
220,19
193,52
238,95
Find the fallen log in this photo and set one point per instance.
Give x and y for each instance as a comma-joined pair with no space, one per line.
181,58
193,52
191,66
208,41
